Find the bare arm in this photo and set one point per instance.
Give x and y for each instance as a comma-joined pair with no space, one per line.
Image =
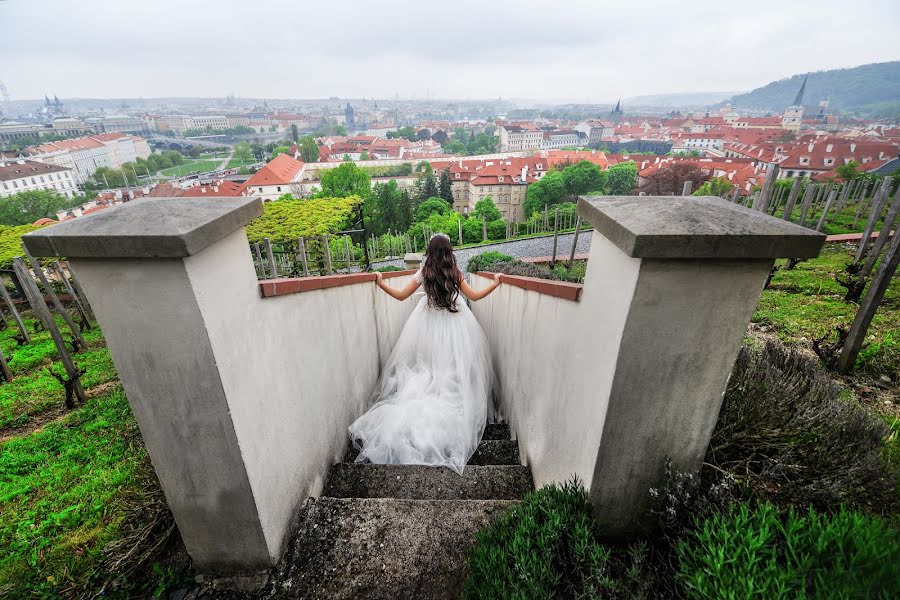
478,295
400,294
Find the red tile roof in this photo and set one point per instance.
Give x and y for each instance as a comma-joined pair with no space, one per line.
280,170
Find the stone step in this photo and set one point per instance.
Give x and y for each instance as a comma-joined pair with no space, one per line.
382,549
489,452
484,482
496,431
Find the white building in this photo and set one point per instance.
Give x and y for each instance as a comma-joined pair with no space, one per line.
563,138
207,122
515,138
29,175
87,154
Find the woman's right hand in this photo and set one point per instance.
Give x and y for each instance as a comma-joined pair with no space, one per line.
498,278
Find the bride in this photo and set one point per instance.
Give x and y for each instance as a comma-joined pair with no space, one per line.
431,402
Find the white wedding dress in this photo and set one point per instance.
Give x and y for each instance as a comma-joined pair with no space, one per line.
431,403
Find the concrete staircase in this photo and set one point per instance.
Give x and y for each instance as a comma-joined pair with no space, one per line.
399,531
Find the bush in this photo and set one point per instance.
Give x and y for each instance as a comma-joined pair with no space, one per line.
480,262
752,552
525,269
388,269
788,437
548,547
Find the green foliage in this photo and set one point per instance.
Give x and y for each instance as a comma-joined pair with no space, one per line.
309,150
388,269
405,132
480,262
426,185
344,181
548,190
753,552
717,186
432,206
401,170
467,143
848,170
583,177
621,178
486,210
445,187
548,547
27,207
389,208
286,220
11,242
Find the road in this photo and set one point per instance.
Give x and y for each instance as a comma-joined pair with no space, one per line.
527,248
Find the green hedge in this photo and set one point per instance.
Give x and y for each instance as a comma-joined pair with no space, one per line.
480,262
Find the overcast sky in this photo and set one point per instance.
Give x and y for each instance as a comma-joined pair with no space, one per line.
588,50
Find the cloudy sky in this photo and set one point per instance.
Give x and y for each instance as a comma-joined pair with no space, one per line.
588,50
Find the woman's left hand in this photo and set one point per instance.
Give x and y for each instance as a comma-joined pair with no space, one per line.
378,276
498,278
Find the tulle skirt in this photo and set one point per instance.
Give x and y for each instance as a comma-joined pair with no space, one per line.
431,403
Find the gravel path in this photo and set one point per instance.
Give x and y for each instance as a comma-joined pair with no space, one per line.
527,248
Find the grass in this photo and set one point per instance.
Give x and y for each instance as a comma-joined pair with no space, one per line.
236,163
837,223
807,303
80,508
197,166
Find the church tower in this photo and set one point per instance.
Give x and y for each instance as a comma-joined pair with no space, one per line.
349,117
793,114
616,115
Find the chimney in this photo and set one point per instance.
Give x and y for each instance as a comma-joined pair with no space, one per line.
852,147
524,171
829,147
810,147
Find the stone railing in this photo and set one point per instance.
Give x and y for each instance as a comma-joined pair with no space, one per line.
243,390
609,387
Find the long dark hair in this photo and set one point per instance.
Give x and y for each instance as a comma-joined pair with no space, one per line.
440,274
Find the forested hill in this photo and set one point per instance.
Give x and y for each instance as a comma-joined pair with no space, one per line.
869,90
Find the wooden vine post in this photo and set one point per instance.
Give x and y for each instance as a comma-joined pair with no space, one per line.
792,199
23,337
85,322
36,300
857,334
39,272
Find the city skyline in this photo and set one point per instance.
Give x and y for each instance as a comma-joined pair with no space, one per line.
583,53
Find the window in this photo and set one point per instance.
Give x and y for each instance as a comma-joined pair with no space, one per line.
279,188
260,190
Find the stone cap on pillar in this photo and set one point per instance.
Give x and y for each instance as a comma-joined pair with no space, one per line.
146,228
695,227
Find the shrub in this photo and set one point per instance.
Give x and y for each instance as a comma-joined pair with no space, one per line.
480,262
548,547
388,269
785,433
751,552
524,269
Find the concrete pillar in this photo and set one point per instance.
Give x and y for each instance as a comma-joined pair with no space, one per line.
234,393
412,260
700,269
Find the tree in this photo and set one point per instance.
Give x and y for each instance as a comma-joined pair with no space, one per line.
242,152
309,150
583,177
280,150
440,137
487,210
423,134
670,180
445,186
295,135
847,171
25,208
548,190
432,206
344,181
340,130
363,155
426,184
621,178
718,186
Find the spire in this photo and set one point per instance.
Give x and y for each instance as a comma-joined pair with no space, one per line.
618,107
798,101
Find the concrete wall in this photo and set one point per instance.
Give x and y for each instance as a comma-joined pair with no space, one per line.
555,360
291,371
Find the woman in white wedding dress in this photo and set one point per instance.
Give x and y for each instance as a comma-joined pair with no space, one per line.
430,404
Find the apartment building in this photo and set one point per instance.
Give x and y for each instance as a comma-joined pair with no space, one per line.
29,175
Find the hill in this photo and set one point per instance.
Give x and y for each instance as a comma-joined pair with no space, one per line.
868,90
678,99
